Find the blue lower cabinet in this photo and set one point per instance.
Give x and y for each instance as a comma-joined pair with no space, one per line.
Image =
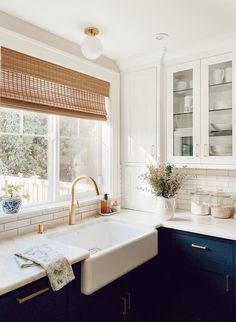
201,271
102,306
115,302
34,303
126,299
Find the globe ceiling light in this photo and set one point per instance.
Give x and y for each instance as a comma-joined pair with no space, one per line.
91,46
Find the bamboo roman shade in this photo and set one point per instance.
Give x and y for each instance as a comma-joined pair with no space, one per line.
34,84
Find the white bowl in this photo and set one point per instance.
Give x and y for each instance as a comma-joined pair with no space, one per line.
181,85
222,126
221,149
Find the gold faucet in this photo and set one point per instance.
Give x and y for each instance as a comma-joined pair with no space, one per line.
72,205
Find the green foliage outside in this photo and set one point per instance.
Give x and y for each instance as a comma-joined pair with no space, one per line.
22,151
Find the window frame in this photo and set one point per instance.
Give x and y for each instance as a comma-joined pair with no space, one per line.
53,165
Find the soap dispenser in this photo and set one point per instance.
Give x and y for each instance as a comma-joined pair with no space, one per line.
105,205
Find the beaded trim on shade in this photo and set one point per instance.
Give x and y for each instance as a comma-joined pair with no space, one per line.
34,84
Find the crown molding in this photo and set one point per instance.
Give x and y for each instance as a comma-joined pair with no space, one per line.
217,46
141,61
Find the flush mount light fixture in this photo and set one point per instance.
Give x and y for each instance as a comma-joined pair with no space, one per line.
161,35
91,46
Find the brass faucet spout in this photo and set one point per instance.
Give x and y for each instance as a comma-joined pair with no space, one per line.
72,203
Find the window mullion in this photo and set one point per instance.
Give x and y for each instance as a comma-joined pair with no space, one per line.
52,158
57,158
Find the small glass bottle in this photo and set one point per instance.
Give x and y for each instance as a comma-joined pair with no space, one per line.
105,205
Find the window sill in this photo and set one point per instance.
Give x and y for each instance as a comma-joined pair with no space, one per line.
44,209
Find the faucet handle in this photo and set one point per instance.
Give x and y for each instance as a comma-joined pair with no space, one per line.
77,211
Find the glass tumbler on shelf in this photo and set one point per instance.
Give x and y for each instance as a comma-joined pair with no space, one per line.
222,205
200,203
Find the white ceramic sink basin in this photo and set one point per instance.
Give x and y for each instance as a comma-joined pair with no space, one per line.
115,249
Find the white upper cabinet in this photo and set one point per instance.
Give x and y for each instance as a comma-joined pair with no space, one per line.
139,116
183,113
218,117
201,117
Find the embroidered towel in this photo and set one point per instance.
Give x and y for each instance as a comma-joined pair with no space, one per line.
23,262
58,268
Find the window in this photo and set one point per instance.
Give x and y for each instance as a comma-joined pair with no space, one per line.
45,153
80,151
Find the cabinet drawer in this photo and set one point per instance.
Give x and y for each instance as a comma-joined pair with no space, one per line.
207,253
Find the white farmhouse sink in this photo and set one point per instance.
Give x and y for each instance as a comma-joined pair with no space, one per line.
115,249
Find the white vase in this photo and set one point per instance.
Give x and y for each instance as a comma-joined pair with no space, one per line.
165,208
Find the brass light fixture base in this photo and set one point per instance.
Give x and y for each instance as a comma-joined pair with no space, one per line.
91,31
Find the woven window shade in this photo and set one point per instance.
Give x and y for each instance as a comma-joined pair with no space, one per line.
34,84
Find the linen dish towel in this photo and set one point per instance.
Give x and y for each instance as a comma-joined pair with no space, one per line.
23,262
57,267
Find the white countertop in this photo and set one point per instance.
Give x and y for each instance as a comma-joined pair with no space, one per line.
185,221
13,277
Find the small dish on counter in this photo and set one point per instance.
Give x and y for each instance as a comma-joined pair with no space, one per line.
109,213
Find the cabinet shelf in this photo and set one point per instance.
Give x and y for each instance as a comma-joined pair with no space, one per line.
220,133
220,84
220,109
183,92
183,113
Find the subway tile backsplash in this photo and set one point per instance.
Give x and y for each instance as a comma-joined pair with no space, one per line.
28,220
207,180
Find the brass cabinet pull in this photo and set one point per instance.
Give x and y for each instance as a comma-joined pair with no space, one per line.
227,283
124,312
129,300
31,296
199,246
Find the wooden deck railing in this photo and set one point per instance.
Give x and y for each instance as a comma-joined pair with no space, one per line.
36,188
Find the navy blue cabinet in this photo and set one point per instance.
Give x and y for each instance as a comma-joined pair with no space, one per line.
36,302
116,302
201,271
105,305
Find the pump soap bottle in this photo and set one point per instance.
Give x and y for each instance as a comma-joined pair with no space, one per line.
105,205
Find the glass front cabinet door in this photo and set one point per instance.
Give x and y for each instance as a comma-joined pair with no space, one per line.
218,117
183,113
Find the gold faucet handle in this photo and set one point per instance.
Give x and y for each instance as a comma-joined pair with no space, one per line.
77,211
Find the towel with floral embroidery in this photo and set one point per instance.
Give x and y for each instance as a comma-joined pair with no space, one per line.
57,267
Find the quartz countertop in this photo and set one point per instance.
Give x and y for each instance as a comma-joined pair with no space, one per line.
13,277
185,221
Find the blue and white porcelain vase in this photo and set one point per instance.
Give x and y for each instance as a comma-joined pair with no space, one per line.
11,205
